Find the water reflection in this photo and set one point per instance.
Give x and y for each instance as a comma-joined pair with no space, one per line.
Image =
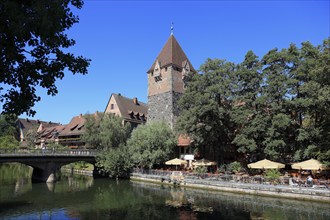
82,197
180,200
220,205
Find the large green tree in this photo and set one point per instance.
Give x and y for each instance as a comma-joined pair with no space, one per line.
276,107
33,50
116,162
312,101
248,110
206,108
105,131
151,144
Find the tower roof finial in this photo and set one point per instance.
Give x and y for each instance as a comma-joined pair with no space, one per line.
172,28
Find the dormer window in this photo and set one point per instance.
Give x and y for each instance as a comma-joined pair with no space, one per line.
156,73
185,70
137,115
131,114
74,127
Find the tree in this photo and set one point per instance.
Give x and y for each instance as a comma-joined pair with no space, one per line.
8,125
312,102
91,136
113,133
115,162
105,131
31,137
276,108
206,108
248,111
33,45
151,144
8,142
8,132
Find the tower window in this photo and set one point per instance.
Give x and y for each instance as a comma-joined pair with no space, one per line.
112,106
158,78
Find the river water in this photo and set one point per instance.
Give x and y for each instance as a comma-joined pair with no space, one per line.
82,197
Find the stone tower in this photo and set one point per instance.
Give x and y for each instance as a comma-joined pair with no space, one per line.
165,82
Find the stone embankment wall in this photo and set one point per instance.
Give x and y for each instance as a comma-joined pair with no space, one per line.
285,191
75,171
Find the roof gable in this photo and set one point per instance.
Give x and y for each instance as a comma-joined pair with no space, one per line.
129,109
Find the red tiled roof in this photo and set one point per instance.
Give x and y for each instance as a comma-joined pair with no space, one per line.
172,54
27,124
75,127
129,110
184,140
50,132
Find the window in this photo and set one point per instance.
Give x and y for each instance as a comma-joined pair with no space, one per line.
112,106
182,150
157,78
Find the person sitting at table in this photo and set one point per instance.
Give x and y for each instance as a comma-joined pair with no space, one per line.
309,181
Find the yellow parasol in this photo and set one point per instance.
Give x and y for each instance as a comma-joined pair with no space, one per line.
311,164
266,164
176,162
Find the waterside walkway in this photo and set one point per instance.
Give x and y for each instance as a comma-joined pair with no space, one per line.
222,184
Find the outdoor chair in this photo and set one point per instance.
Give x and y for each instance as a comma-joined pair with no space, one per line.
291,183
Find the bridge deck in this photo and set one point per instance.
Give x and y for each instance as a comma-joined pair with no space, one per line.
47,152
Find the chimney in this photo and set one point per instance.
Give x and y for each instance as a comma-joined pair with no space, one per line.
135,100
80,115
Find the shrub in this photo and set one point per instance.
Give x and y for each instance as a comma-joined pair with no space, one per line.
222,168
201,170
235,167
272,175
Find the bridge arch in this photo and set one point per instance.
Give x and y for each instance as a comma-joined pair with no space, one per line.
46,163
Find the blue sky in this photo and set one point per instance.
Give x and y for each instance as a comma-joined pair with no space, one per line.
123,38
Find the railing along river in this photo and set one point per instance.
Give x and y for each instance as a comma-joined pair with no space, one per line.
48,152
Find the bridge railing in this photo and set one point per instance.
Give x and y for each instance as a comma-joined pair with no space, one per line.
27,152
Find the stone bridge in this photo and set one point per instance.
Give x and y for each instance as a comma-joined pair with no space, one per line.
46,163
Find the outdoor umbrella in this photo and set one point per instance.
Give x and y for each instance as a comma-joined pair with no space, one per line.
265,164
176,161
311,164
204,162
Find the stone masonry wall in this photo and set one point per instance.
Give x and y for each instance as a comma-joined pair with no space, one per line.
164,106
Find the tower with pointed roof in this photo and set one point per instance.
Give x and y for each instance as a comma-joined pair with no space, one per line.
166,82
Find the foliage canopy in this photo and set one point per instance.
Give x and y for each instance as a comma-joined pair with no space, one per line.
151,144
33,50
277,107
